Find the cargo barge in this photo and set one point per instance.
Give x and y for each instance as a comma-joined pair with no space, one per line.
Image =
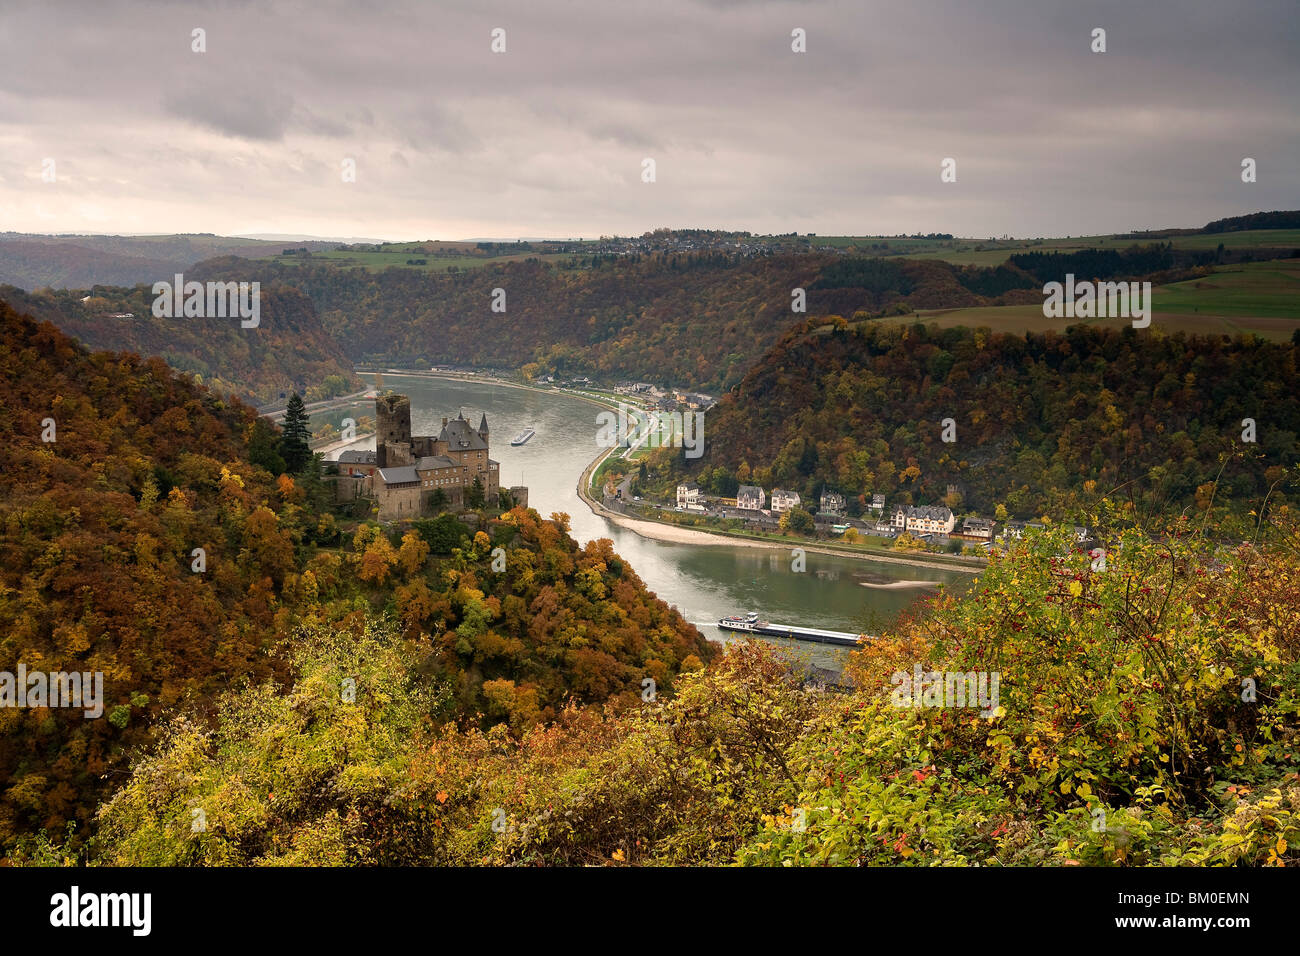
752,625
523,436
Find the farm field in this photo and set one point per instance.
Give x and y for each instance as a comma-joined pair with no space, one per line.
993,252
1258,297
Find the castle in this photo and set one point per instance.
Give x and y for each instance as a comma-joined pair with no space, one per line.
405,472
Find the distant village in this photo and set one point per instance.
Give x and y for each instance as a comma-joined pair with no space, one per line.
934,525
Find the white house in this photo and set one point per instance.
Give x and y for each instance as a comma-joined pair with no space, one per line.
784,500
690,497
750,498
930,519
899,521
1017,529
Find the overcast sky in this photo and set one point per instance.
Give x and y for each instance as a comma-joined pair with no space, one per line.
453,141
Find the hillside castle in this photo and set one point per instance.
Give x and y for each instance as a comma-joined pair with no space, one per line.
405,472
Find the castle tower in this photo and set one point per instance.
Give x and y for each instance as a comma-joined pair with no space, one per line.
483,427
393,423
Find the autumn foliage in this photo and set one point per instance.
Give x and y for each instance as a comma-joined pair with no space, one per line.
142,543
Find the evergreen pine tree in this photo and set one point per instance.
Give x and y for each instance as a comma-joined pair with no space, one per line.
294,437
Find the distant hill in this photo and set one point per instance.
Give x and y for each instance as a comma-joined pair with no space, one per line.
1258,220
692,319
861,408
79,262
696,320
288,351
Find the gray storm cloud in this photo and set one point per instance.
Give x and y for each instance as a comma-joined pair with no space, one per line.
453,141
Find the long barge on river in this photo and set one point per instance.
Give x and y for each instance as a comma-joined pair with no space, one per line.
752,625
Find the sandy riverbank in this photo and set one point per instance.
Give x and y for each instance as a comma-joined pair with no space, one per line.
675,535
898,585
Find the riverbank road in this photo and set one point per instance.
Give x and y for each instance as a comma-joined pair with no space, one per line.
275,411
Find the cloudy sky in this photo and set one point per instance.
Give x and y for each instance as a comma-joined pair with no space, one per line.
453,141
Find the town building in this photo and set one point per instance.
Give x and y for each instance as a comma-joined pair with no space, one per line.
783,500
899,521
690,497
925,519
750,498
976,529
832,503
931,519
1017,529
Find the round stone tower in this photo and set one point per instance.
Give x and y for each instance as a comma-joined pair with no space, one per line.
393,421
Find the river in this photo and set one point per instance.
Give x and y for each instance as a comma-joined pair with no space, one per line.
704,582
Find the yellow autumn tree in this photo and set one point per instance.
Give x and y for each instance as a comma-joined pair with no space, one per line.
412,553
377,561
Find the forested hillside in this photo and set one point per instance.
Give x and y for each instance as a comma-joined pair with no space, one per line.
697,320
288,351
1143,716
102,508
1043,423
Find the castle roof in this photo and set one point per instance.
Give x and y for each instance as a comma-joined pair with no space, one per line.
430,462
459,436
398,476
357,457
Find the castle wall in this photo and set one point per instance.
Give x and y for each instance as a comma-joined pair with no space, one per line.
404,501
397,454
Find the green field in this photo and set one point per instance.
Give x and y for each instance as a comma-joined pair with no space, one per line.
1258,297
992,252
